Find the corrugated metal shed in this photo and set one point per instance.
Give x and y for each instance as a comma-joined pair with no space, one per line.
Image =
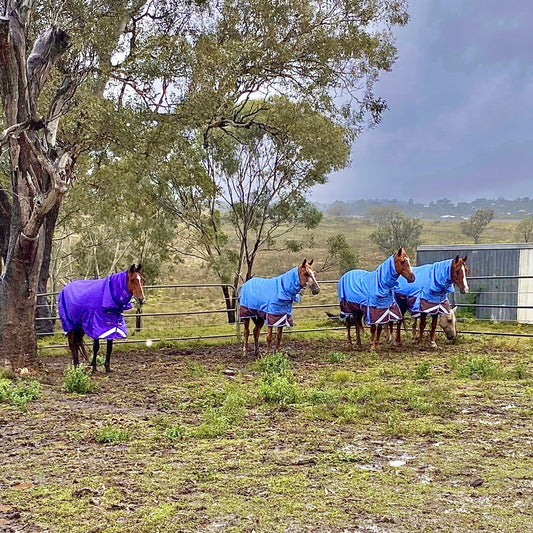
509,259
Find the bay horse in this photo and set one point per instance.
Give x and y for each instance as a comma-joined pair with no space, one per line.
428,295
369,296
95,307
269,300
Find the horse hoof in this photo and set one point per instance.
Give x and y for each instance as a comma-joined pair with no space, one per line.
108,371
94,370
433,345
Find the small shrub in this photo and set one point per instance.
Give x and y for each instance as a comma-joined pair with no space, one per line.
423,370
77,381
279,389
483,366
19,392
111,434
337,357
343,376
276,363
175,433
315,396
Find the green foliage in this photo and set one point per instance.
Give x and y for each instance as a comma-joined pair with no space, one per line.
110,434
423,370
277,384
19,392
217,420
78,381
175,433
342,252
520,370
476,224
524,230
481,366
337,357
398,231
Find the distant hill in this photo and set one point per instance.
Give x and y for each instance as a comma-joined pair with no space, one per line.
440,209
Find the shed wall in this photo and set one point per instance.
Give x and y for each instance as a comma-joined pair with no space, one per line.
483,261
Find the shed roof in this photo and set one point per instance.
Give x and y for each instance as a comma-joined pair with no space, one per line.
494,246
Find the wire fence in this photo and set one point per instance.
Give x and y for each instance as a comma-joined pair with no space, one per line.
195,312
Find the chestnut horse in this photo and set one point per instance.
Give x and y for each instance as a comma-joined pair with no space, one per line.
369,295
428,296
95,307
270,300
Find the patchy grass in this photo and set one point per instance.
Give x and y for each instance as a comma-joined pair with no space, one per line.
202,439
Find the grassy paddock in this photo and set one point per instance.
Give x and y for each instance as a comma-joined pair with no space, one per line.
318,439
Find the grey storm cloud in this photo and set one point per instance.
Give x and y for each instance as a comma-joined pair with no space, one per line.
460,98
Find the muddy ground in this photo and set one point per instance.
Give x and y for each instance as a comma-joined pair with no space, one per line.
368,446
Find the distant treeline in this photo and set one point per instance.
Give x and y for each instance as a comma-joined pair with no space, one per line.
443,208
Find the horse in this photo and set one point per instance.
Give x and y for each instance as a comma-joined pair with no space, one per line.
269,300
95,307
369,295
428,295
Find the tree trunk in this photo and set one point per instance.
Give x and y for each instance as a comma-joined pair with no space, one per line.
18,341
39,173
231,300
44,324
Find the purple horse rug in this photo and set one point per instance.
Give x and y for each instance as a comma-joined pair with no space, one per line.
370,293
428,294
96,306
270,299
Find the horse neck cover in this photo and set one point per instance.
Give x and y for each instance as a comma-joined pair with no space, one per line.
432,282
272,295
96,306
373,289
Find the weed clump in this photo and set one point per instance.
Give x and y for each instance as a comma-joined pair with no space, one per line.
423,370
77,381
20,392
482,367
111,434
277,384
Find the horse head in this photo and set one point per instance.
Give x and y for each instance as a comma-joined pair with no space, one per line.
402,264
459,272
135,283
448,323
307,276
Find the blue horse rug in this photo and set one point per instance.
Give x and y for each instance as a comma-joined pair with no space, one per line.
96,306
370,294
428,294
270,299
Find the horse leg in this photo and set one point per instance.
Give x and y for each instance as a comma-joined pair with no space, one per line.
71,337
246,323
432,331
278,338
372,336
257,331
109,349
348,323
269,338
96,347
414,329
421,329
398,332
358,323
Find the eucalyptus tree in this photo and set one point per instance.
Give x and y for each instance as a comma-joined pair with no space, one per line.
88,83
259,179
398,231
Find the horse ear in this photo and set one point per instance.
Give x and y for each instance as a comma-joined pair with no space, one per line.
456,257
465,258
400,250
139,267
311,262
132,269
304,262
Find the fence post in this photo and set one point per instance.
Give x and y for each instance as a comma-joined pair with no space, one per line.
237,319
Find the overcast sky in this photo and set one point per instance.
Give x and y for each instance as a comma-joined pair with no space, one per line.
460,98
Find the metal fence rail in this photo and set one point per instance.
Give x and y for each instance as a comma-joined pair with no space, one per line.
176,312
